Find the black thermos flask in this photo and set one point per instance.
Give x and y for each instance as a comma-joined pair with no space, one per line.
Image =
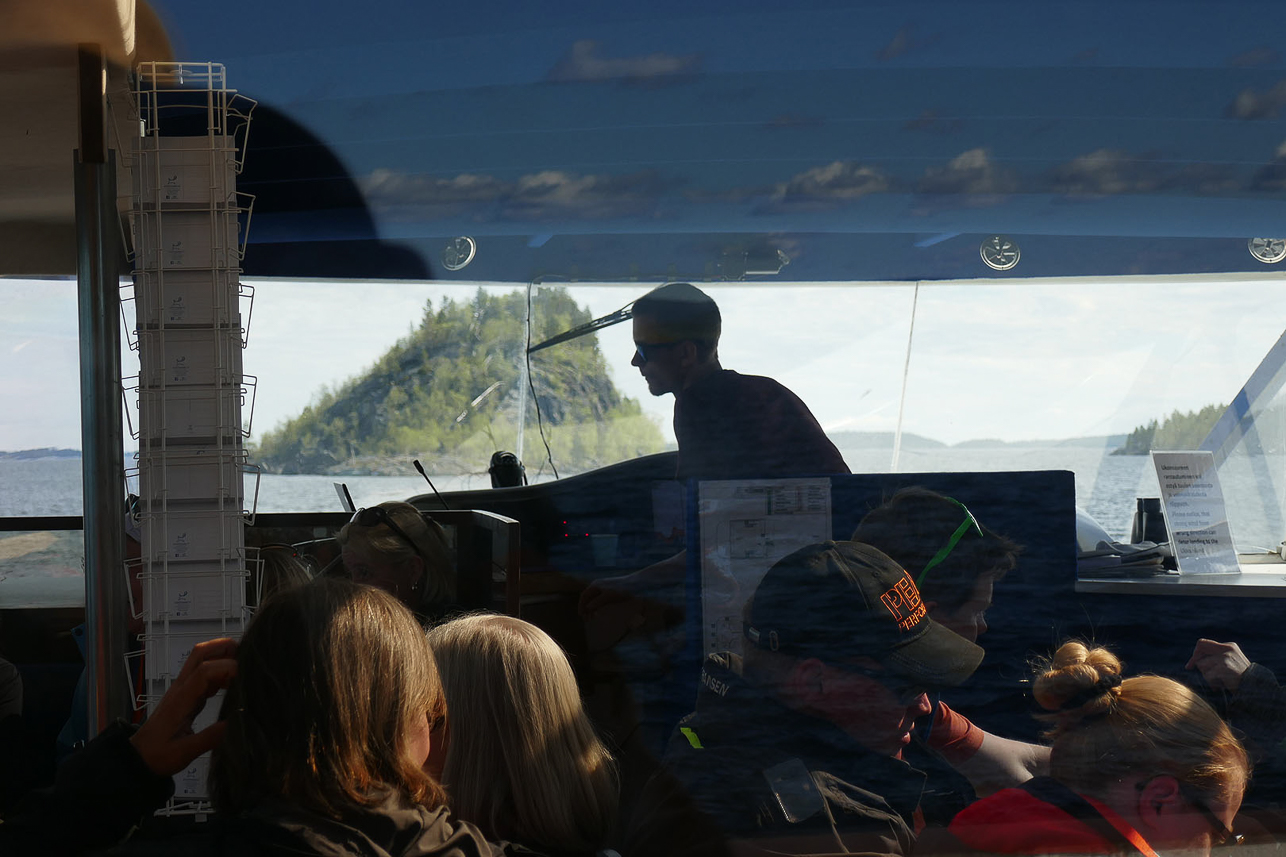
1149,521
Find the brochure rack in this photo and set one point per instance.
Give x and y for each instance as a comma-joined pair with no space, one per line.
189,227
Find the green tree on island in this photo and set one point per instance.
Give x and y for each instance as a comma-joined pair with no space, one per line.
449,394
1177,431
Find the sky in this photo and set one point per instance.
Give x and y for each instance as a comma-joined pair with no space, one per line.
875,140
1013,361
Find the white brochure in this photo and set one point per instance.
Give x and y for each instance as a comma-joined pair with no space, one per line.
1195,512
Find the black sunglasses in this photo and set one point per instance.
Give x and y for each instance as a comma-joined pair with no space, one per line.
642,348
1221,834
373,516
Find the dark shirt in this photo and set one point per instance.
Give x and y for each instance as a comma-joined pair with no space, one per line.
1257,710
734,426
394,827
100,793
744,767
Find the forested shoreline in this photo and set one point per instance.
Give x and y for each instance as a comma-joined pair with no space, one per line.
1180,430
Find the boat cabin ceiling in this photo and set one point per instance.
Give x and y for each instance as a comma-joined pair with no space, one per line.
824,141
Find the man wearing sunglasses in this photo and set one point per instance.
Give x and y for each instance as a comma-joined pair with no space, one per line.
728,425
796,746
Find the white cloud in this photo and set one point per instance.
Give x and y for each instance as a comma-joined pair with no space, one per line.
841,179
1259,104
971,172
1105,172
585,61
390,187
821,188
539,195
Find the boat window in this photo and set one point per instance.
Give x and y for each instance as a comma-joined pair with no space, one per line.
1079,375
40,433
353,381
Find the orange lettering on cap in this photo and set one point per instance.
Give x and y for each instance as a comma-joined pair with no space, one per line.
914,619
903,603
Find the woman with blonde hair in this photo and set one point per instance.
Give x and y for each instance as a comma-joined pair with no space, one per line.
1138,765
328,728
279,567
396,548
521,760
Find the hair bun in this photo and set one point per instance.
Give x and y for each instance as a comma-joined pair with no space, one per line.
1105,684
1079,681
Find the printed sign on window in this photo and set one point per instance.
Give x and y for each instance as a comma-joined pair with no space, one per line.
1195,512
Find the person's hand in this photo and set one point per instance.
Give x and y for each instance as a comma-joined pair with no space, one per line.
644,583
605,592
1221,664
166,742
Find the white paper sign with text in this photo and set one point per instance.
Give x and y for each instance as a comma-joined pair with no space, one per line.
1195,512
746,526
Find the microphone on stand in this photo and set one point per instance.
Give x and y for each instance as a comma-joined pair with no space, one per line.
420,468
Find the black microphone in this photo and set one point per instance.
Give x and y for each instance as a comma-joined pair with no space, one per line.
420,468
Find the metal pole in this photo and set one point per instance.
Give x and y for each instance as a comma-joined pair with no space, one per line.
102,442
906,374
524,372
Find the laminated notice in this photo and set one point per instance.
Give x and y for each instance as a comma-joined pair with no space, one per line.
1195,512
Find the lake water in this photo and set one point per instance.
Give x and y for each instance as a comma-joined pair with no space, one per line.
1105,485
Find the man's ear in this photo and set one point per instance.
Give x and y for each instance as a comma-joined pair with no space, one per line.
688,355
1159,799
805,682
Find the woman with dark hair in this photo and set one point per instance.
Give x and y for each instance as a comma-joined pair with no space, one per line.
328,728
1138,765
521,759
396,548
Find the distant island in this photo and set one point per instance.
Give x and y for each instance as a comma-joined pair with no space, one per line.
910,441
394,464
38,454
